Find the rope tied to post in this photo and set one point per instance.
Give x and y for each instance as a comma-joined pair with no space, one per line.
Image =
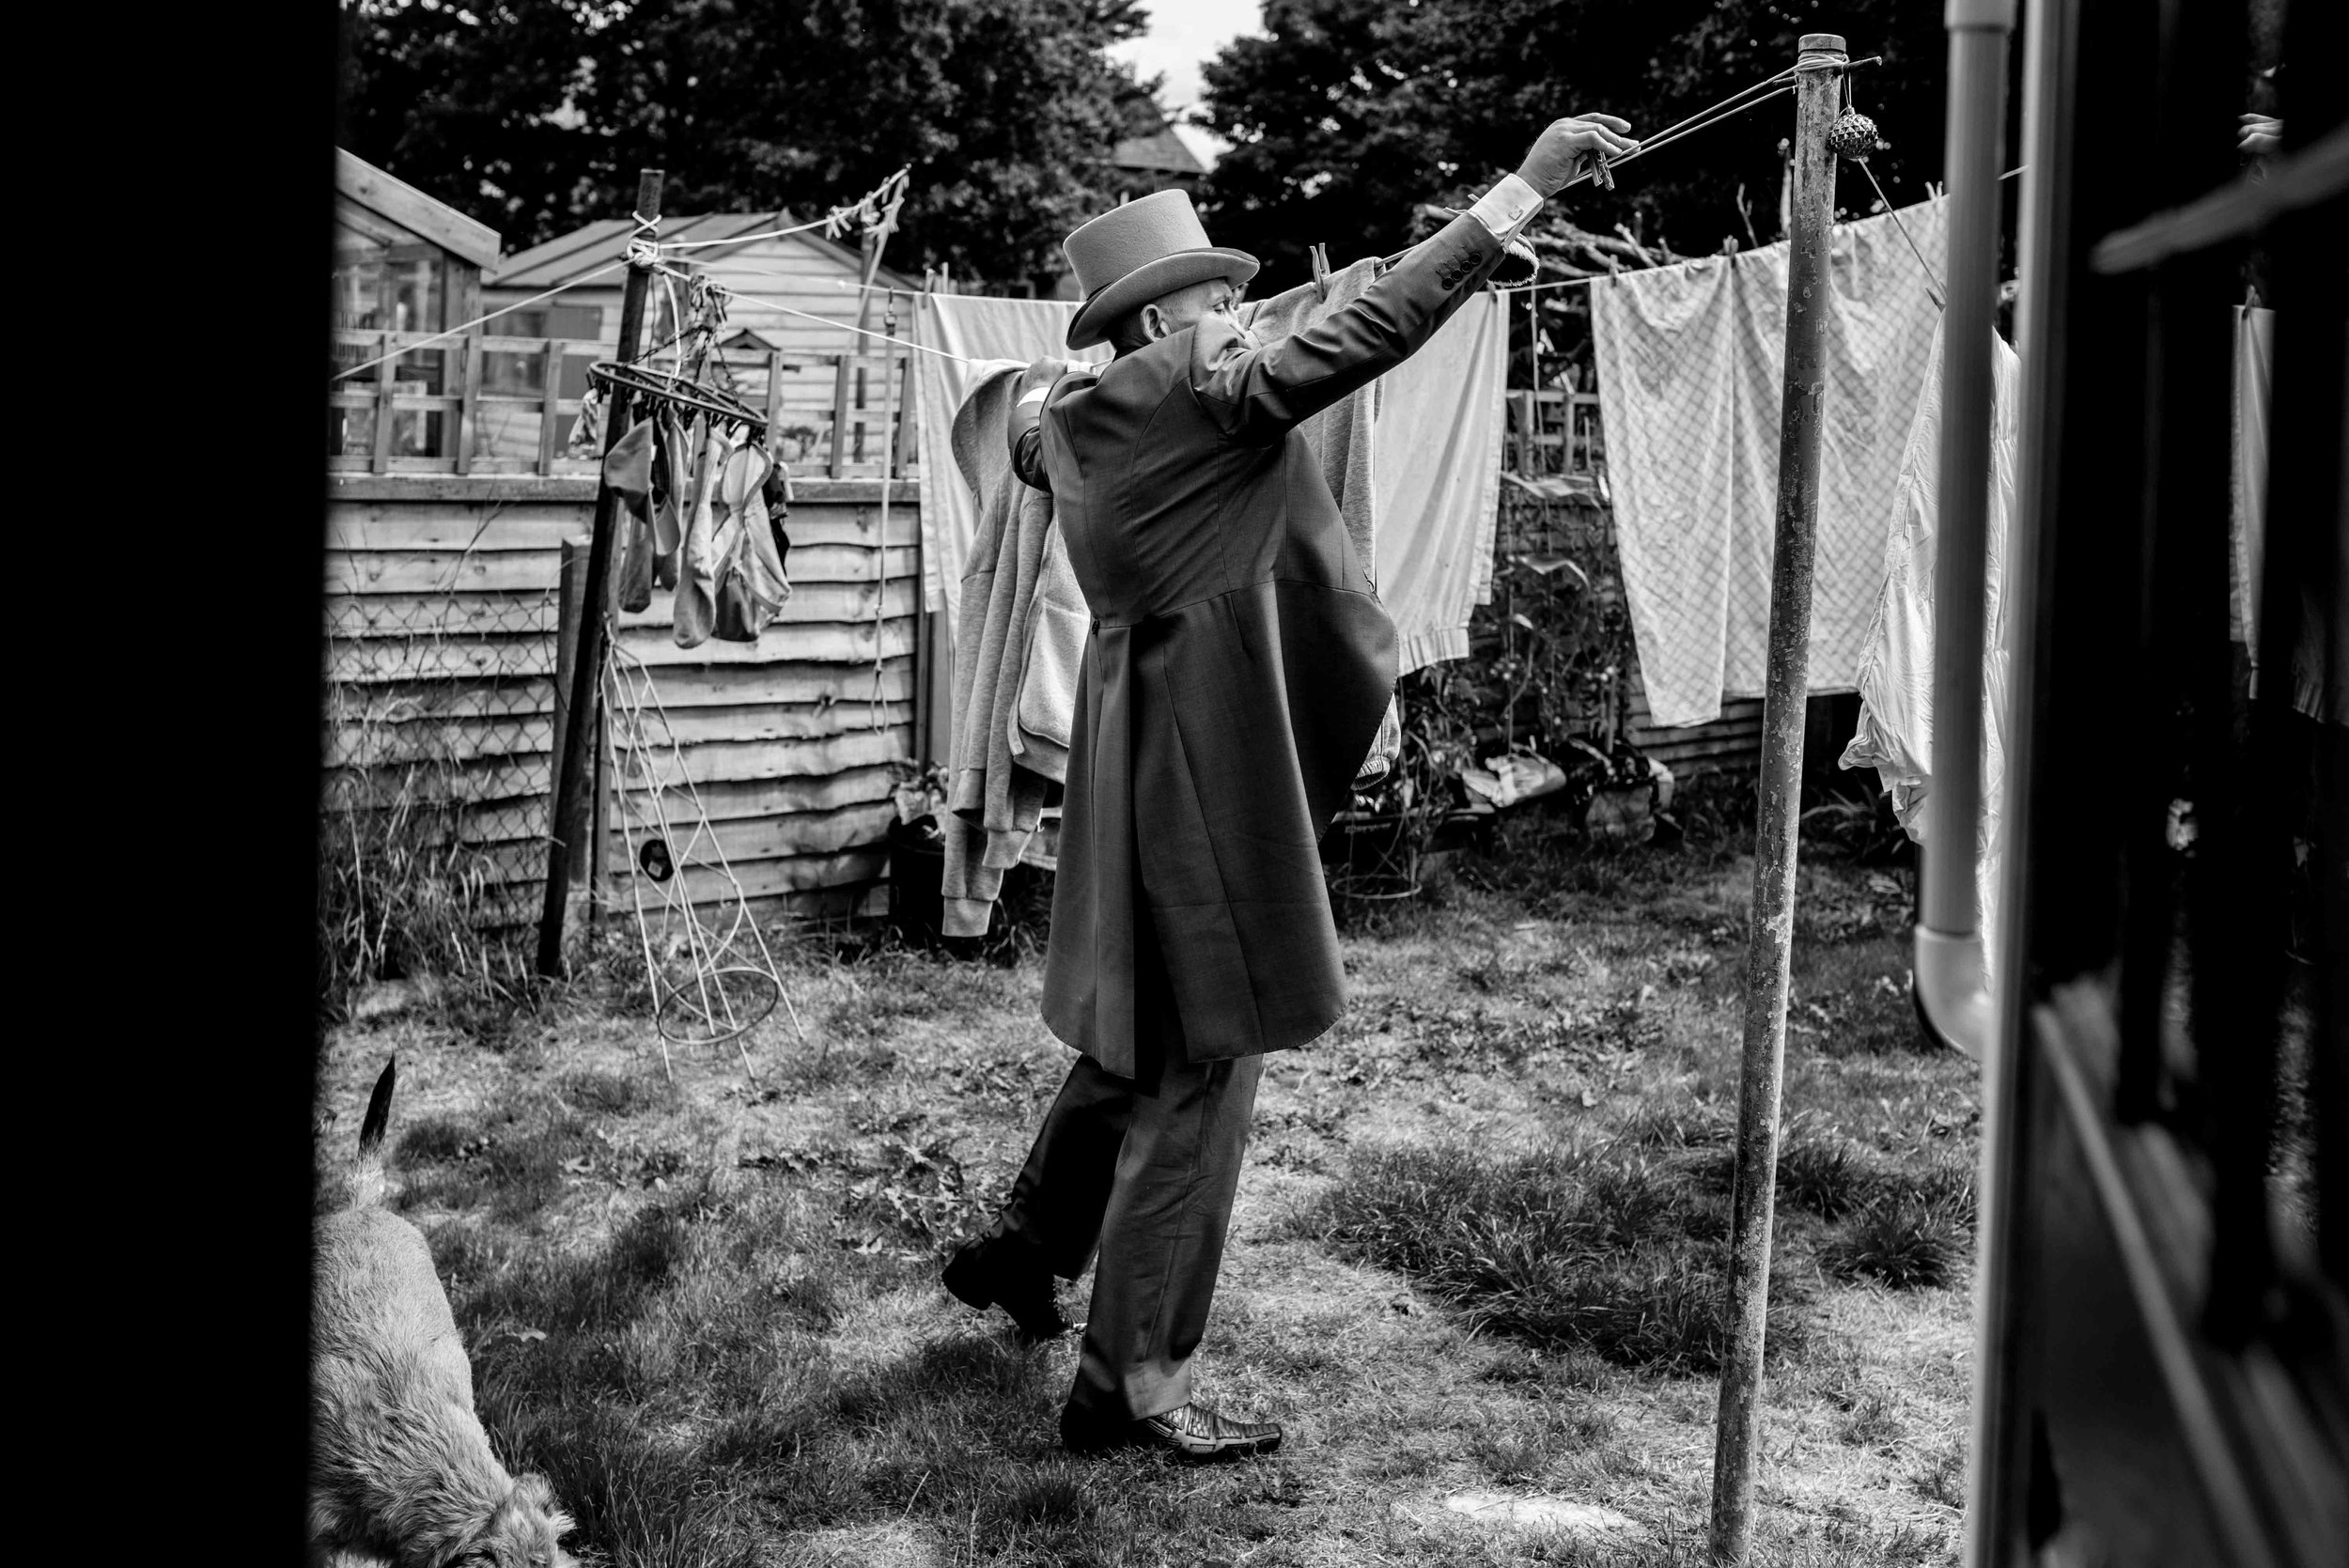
644,246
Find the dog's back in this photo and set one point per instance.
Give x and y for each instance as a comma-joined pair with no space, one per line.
400,1465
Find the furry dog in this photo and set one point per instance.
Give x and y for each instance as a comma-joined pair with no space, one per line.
400,1468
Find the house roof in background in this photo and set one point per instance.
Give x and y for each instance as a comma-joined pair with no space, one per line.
411,210
756,338
1161,153
569,256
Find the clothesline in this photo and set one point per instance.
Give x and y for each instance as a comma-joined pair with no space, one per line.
823,223
831,223
1599,277
1737,102
866,206
1703,119
826,320
468,326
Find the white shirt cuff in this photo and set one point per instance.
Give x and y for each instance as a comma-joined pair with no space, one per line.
1035,394
1504,207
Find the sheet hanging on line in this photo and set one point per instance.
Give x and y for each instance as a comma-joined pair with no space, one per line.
1690,361
1426,438
1437,475
1895,675
995,331
1343,435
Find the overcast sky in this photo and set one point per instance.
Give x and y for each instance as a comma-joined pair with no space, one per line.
1183,35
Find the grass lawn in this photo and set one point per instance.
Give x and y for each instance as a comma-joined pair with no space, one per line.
1475,1259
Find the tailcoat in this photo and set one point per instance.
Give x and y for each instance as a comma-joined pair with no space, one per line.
1237,669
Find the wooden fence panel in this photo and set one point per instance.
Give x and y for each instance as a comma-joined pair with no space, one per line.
1732,742
440,630
483,404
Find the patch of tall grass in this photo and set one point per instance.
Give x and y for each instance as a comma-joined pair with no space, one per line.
406,888
1606,1248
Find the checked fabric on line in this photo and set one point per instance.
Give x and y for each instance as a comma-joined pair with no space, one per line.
1690,362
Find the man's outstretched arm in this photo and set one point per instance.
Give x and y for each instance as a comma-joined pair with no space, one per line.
1258,392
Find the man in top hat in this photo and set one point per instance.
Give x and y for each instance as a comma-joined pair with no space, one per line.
1236,674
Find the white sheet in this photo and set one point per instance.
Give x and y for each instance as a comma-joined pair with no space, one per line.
1436,469
1895,675
1690,362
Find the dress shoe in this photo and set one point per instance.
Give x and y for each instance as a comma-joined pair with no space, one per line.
1004,1271
1192,1430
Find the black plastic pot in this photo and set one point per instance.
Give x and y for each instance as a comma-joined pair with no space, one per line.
917,869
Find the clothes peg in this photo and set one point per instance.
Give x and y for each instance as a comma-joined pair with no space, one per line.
1319,254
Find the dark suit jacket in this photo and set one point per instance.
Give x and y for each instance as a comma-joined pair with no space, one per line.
1237,670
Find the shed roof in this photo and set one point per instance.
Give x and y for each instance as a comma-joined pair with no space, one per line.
571,255
1161,153
757,339
411,210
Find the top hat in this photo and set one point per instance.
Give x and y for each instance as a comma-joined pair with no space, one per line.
1142,251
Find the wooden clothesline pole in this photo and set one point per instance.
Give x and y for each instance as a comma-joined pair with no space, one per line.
572,814
1769,939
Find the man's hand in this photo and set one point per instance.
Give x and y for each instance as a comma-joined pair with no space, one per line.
2259,134
1044,372
1557,151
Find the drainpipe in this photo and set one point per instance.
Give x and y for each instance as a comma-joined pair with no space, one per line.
1949,938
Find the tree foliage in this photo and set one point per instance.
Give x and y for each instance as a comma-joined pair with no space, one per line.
535,115
1353,113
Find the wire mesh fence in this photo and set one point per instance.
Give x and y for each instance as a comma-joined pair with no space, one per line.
438,750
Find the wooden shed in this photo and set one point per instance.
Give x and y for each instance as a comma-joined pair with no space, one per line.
804,272
403,263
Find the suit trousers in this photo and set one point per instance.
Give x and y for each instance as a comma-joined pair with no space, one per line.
1144,1169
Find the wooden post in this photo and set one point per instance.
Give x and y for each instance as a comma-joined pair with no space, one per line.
383,382
574,782
774,404
910,442
551,401
1769,941
468,400
839,417
570,610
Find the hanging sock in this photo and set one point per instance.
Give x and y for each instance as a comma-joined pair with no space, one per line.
627,471
696,604
674,489
750,583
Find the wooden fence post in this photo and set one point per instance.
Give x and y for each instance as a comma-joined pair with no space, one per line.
468,400
570,610
1769,939
551,404
774,404
839,417
574,784
385,375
